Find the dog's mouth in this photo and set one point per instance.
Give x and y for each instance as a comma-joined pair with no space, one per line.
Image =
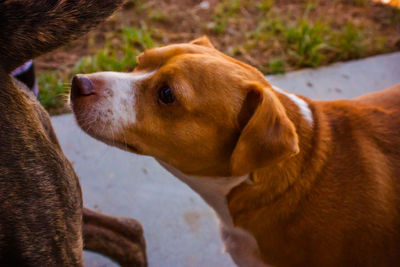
129,148
115,143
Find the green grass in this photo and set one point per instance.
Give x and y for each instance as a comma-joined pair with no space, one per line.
268,29
52,91
157,15
265,5
305,43
121,58
297,40
276,66
349,42
225,10
119,54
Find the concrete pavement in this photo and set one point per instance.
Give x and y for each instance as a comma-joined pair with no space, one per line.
180,229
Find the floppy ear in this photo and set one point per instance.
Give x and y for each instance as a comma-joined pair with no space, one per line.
203,40
268,136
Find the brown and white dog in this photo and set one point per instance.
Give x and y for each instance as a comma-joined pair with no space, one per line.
294,182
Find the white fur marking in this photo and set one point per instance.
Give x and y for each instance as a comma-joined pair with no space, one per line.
240,244
119,97
212,190
303,106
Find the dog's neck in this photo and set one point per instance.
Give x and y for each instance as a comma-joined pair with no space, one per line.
294,176
213,190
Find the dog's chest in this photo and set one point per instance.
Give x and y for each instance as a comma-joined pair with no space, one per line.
240,244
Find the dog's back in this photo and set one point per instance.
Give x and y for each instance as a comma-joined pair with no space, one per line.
374,121
385,116
360,184
40,197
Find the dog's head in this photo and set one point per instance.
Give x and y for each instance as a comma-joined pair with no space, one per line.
190,106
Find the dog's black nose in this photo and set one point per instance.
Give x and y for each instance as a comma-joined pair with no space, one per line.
82,86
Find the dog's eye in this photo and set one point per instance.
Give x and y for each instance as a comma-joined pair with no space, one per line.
166,96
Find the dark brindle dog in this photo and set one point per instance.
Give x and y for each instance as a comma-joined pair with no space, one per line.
40,196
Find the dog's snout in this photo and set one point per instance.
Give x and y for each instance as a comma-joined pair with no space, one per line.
82,86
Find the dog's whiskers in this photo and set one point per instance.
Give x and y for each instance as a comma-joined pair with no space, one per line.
125,143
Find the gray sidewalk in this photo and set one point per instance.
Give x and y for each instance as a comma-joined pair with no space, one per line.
180,229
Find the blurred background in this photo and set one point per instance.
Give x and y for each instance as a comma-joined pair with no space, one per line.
276,36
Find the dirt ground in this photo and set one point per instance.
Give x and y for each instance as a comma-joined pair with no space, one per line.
183,20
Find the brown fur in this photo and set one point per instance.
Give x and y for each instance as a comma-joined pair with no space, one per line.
337,202
40,195
118,238
326,194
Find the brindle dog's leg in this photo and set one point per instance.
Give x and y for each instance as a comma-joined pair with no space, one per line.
119,238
